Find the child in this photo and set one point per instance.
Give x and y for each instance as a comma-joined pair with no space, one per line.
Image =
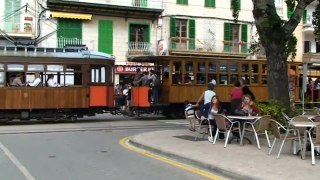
189,114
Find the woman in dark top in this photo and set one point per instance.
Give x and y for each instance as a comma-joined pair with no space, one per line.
208,111
246,90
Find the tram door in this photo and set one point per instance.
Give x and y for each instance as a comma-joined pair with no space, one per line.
98,86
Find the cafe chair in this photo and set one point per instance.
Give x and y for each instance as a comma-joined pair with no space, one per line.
316,118
286,118
224,124
314,111
204,124
289,135
315,142
258,127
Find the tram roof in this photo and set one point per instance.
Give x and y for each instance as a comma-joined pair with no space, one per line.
53,52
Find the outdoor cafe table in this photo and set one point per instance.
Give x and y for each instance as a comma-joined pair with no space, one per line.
298,124
243,119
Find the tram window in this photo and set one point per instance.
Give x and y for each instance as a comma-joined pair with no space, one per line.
189,67
212,77
2,79
223,79
245,68
264,74
56,68
35,67
254,74
165,71
233,78
245,78
176,72
15,67
202,67
98,75
2,67
212,67
72,77
201,78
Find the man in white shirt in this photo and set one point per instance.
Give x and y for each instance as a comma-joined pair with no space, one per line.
36,81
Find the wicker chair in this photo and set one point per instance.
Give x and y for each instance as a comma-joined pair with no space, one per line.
258,127
224,124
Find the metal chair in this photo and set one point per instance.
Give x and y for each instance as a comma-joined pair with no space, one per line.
275,126
315,142
203,124
224,124
258,127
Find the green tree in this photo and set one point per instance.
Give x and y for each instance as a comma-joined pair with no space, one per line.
276,36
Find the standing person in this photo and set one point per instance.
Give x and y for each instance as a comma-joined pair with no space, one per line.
236,95
206,95
50,81
189,114
144,80
17,81
155,85
137,76
36,82
208,111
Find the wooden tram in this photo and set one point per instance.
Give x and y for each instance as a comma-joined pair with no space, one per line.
186,77
86,80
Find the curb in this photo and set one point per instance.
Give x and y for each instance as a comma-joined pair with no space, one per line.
221,171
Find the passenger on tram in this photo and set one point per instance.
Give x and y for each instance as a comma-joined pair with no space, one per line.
144,80
50,81
36,82
17,81
155,85
137,76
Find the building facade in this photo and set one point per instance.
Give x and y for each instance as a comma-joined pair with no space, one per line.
127,28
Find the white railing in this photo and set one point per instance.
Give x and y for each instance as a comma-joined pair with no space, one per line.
154,4
139,48
62,41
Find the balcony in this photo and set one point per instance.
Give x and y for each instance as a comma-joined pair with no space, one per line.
139,49
62,42
143,9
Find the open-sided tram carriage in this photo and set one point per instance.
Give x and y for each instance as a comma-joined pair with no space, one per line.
86,80
186,77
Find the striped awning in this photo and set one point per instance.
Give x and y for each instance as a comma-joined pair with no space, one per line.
71,15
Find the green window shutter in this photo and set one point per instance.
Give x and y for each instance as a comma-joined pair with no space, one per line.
209,3
192,34
69,32
173,32
238,3
304,16
185,2
244,38
147,35
105,36
227,37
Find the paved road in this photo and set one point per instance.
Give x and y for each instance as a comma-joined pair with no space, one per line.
88,149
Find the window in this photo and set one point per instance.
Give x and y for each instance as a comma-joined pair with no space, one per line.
232,39
209,3
264,74
223,76
188,78
98,74
2,76
35,67
15,67
237,3
317,46
69,32
176,73
245,73
304,18
212,72
234,76
12,18
182,34
185,2
140,3
139,33
254,74
201,73
307,46
73,76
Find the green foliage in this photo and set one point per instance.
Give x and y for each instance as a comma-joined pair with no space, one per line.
235,6
254,47
316,21
273,108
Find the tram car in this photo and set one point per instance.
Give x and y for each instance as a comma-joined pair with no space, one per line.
186,77
84,78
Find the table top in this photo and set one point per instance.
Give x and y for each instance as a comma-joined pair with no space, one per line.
244,117
304,124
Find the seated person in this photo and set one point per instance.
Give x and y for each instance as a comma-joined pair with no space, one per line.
17,81
248,107
36,82
50,82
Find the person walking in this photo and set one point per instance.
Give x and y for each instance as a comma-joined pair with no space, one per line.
206,95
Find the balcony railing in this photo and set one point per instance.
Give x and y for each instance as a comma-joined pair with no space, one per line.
139,49
62,41
154,4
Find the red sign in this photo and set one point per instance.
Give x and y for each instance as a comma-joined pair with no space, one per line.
28,18
131,69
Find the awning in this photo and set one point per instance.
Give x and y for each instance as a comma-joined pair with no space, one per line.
71,15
